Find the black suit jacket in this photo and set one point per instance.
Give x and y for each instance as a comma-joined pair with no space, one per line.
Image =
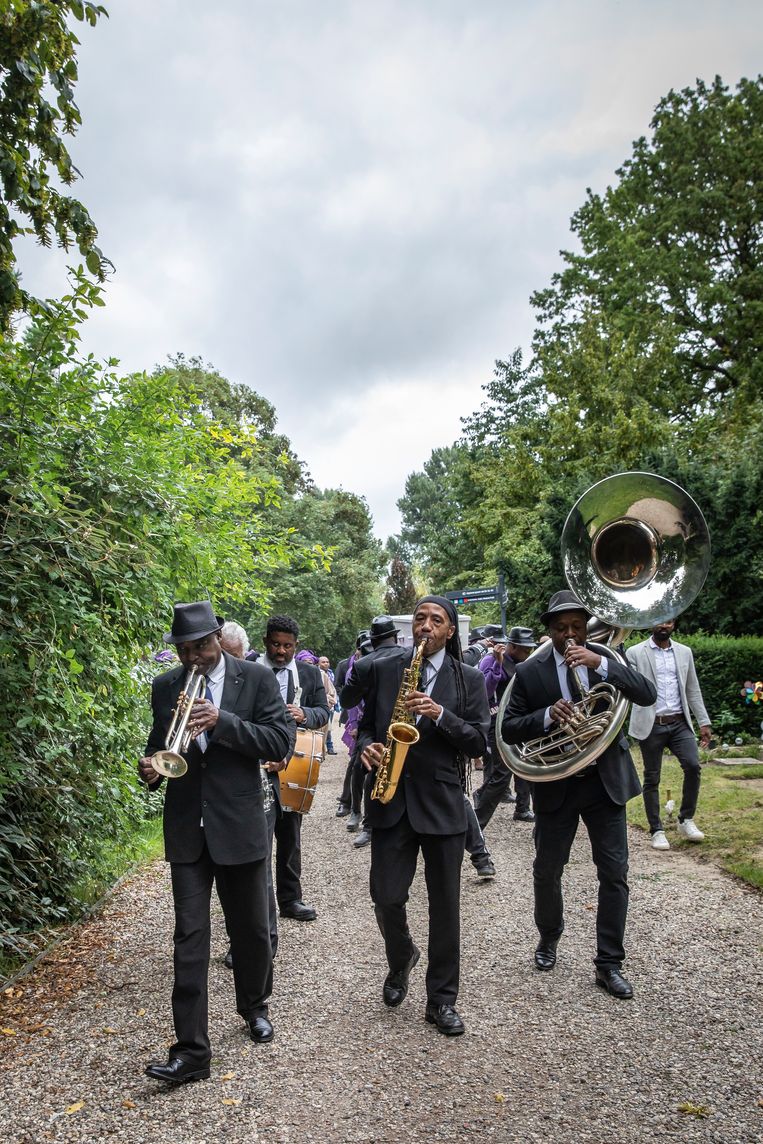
430,787
222,784
356,687
536,687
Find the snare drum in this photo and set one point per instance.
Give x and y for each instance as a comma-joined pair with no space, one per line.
300,776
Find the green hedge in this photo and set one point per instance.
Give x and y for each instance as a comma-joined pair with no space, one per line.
723,665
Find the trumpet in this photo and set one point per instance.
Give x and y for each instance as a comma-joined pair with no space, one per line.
170,761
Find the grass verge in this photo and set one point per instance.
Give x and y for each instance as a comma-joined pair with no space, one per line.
116,860
730,812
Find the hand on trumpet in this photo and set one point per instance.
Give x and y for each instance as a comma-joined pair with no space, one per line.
204,716
146,770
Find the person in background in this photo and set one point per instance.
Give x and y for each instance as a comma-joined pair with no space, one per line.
303,693
331,694
498,668
667,723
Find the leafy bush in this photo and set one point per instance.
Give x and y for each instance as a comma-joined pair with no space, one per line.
117,497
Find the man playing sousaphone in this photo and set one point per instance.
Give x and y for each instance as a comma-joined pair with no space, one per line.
544,691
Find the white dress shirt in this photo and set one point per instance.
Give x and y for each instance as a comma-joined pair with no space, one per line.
666,676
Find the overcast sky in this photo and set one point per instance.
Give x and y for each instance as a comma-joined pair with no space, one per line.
347,205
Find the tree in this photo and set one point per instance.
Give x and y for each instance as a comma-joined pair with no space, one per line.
37,53
400,595
671,260
331,600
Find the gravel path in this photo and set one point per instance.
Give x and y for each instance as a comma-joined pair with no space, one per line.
545,1057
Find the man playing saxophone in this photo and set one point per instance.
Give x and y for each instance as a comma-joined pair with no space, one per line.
426,813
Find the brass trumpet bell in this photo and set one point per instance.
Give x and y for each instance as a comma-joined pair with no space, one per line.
636,550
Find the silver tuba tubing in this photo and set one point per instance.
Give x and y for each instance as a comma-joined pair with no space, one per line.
635,551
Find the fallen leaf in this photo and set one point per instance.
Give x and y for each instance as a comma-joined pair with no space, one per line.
228,1076
141,1013
232,1100
129,1104
8,1032
701,1111
500,1098
108,1029
75,1107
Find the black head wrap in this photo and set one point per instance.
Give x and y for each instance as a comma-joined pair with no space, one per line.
453,648
453,645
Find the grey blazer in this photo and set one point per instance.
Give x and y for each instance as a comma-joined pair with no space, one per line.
642,718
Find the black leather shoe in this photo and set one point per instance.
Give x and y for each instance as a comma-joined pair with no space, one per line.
228,960
524,816
545,955
342,811
485,869
615,984
445,1018
331,751
363,839
260,1030
396,984
299,911
177,1071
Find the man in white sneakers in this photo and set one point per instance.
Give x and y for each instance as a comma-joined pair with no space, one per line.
667,723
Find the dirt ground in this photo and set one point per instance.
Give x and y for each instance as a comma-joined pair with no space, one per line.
546,1057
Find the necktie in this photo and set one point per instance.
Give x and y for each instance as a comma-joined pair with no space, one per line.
427,675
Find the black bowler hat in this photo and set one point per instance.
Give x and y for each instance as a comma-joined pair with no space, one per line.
381,627
492,631
363,637
193,622
521,637
564,601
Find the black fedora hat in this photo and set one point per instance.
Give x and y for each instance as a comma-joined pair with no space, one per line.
521,637
381,627
193,622
564,601
363,637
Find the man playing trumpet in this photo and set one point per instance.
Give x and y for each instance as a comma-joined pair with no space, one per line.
215,830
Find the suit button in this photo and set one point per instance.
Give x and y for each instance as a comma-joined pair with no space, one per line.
204,803
203,765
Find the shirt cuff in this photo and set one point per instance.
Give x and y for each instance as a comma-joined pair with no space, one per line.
603,668
439,717
547,720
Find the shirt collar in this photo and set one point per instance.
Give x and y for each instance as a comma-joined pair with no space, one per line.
437,659
291,667
657,646
217,674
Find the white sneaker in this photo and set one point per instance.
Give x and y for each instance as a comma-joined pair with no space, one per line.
659,841
689,831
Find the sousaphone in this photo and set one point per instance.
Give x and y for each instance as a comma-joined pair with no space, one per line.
636,552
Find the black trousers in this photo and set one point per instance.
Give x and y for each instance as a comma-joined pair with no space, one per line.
394,855
345,798
495,785
679,738
555,832
474,843
243,893
288,836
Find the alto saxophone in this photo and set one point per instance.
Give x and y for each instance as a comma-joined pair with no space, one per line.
402,733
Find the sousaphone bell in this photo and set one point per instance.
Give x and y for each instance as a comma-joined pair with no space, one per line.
636,552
